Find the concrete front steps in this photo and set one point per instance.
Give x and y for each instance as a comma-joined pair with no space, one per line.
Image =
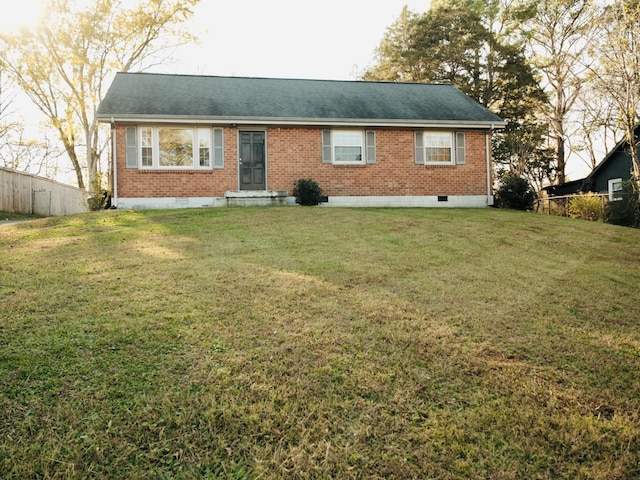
253,198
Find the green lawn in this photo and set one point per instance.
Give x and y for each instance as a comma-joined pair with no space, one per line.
319,343
12,217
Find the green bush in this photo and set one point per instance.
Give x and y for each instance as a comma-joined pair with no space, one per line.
515,192
100,198
586,207
625,210
98,201
307,192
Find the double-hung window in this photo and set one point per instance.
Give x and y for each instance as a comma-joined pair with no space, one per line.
146,140
204,147
440,148
348,147
174,147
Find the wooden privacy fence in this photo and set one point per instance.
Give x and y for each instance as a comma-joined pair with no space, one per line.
26,193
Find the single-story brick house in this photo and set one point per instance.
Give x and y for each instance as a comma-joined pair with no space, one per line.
186,141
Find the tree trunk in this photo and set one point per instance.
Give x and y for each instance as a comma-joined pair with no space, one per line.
71,151
633,149
561,160
92,161
559,113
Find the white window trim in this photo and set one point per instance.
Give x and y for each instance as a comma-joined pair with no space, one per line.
362,160
155,148
612,192
452,149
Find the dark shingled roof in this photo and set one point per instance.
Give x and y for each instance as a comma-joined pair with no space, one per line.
160,96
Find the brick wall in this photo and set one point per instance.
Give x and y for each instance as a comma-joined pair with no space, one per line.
296,152
292,155
134,183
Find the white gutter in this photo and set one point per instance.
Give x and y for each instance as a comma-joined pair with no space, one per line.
487,139
114,198
353,122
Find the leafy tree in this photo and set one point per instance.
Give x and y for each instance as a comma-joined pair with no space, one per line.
521,148
65,64
456,47
471,44
521,151
396,56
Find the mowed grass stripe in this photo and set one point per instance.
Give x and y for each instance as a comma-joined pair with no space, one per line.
319,343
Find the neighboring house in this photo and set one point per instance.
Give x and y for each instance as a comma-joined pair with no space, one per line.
181,141
607,177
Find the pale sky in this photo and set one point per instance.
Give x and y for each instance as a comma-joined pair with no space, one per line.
332,39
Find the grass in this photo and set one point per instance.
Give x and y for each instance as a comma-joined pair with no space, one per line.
9,216
319,343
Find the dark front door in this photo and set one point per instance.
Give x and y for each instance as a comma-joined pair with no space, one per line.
252,162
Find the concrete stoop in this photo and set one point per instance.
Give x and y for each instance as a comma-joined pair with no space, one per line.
255,198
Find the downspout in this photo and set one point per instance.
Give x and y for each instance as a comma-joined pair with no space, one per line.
114,136
487,138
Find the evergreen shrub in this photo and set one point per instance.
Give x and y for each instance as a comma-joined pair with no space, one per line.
625,209
307,192
515,192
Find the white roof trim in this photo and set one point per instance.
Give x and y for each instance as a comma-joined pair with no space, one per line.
352,122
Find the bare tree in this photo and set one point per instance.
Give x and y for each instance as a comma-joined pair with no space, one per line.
6,125
617,72
558,34
597,125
